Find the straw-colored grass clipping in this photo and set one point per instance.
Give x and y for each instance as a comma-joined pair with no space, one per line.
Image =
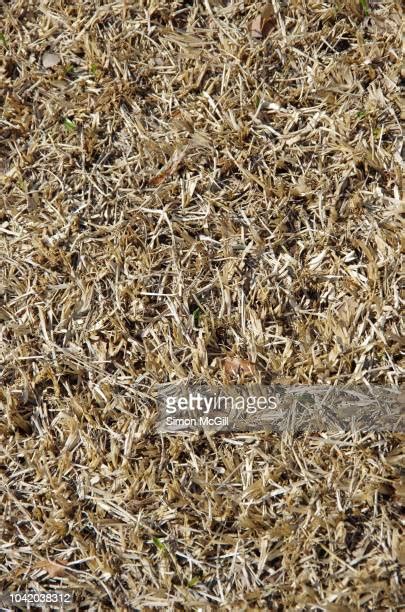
207,191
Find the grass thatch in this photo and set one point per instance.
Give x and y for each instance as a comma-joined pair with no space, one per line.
186,186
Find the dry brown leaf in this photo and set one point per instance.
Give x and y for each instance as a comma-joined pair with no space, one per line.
256,27
268,19
49,60
260,26
159,178
267,12
170,168
53,569
234,366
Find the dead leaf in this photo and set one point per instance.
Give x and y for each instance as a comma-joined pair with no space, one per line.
267,12
234,366
49,60
53,569
261,25
256,27
159,178
170,168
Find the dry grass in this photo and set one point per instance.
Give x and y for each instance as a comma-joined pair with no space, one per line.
181,184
